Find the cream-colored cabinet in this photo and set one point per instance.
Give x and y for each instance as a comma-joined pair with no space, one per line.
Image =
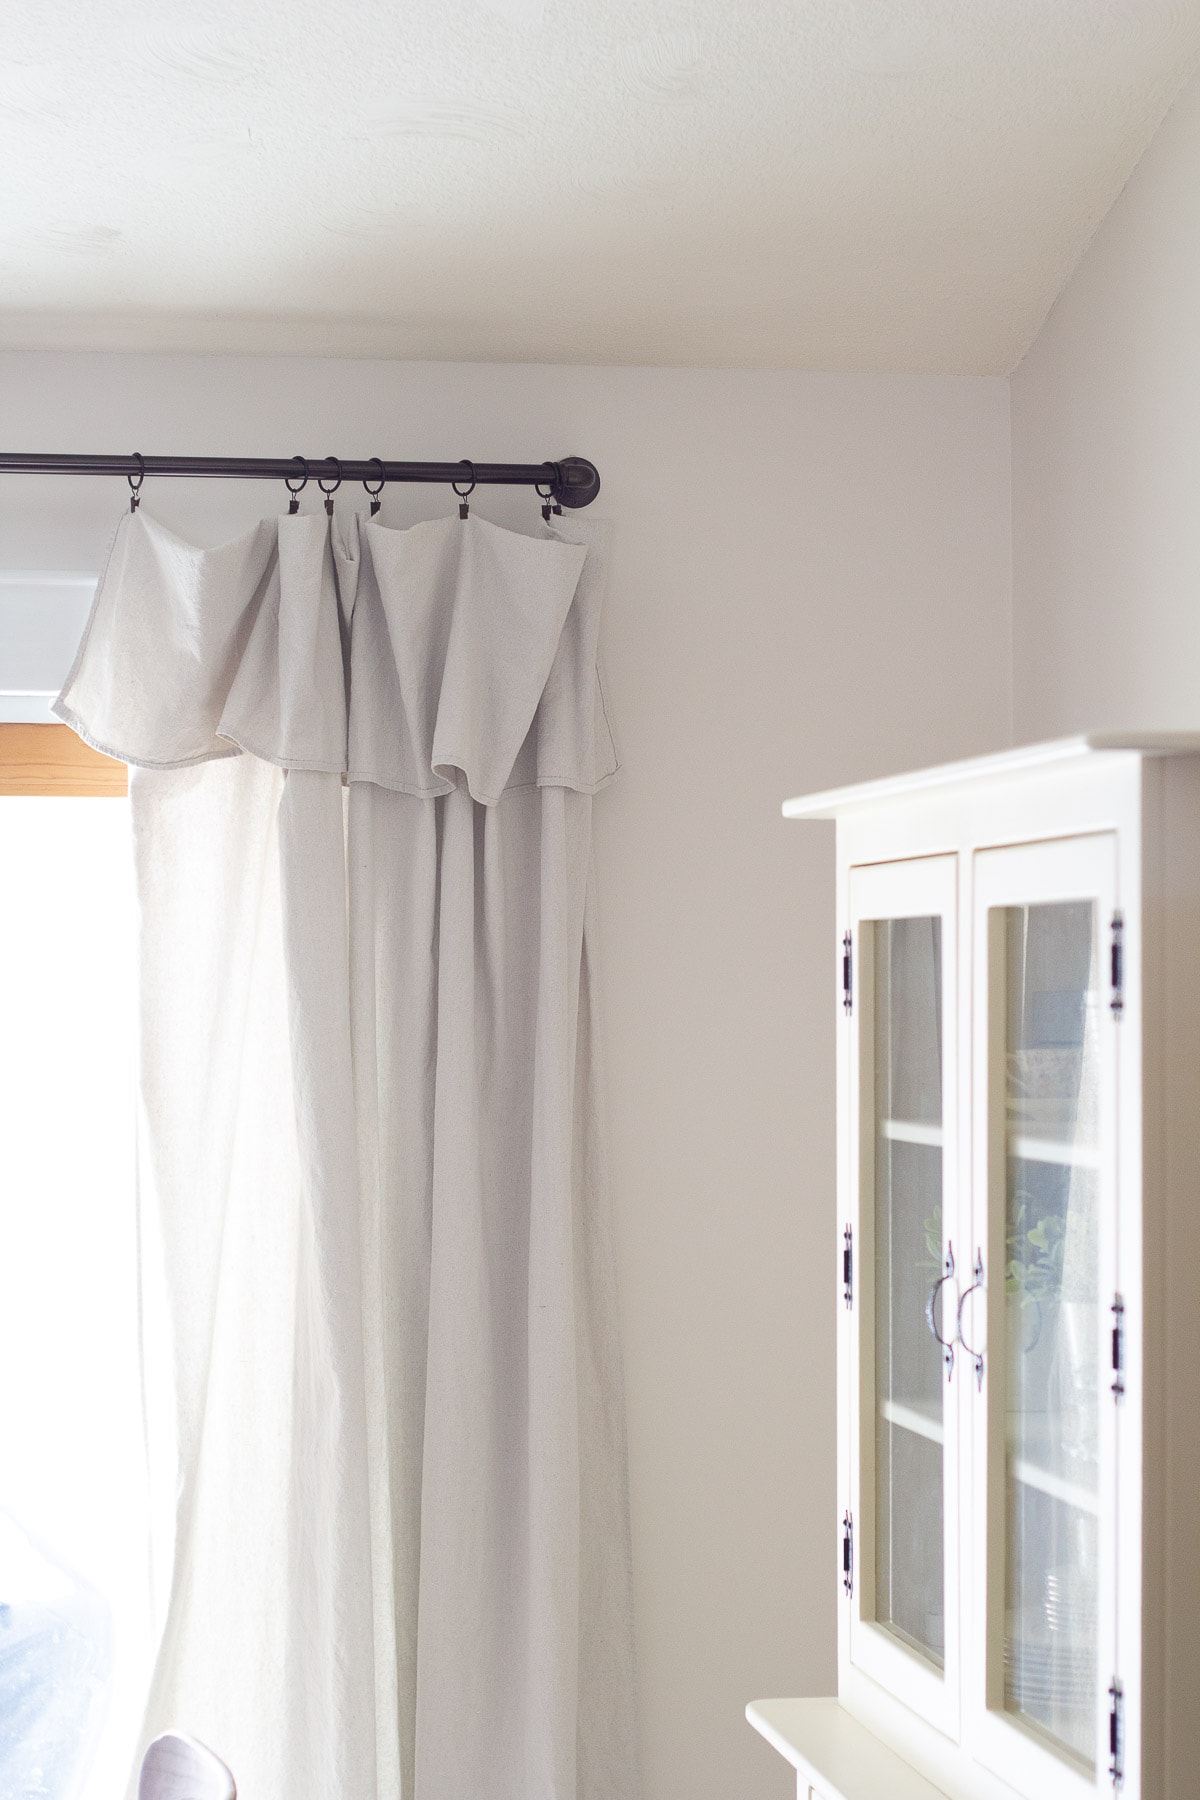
1018,1281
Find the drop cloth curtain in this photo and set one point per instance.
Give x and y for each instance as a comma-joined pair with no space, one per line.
361,794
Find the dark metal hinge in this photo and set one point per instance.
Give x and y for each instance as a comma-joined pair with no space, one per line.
848,1266
1116,1732
1118,1346
848,1553
848,973
1117,965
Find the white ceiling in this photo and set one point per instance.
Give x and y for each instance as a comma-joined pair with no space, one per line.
830,184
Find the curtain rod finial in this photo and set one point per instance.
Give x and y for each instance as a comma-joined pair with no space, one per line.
576,481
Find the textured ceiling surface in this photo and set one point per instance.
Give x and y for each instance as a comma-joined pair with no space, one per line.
829,184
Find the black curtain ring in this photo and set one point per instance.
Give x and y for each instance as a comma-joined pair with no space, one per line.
329,492
295,492
135,486
463,508
375,491
549,493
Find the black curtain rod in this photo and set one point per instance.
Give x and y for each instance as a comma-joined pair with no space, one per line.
573,481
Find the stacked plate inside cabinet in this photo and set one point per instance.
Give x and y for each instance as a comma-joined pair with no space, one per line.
1050,1661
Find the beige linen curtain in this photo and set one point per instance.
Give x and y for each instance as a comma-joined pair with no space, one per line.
371,1164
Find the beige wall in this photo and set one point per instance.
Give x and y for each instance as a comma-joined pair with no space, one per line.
1106,467
811,584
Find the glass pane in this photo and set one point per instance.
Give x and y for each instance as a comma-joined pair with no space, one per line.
1052,1325
77,1630
909,1381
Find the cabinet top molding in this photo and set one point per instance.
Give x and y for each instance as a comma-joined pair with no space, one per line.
1027,757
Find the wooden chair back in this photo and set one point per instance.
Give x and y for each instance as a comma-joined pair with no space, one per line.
176,1767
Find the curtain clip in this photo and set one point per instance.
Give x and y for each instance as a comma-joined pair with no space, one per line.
375,491
135,495
548,493
329,492
464,493
295,492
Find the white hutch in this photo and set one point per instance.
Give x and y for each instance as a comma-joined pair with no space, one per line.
1018,1282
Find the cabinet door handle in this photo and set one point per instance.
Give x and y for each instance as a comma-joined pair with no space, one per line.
975,1287
931,1311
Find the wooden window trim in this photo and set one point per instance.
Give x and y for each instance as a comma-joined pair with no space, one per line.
50,759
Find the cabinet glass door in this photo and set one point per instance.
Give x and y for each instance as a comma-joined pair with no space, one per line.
1050,1480
1051,1337
904,1623
910,1388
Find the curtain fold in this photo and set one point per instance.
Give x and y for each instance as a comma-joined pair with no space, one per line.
362,797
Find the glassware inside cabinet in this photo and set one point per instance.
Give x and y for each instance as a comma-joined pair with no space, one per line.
909,1379
1051,1319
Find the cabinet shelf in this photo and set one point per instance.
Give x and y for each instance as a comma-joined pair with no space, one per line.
909,1131
909,1418
1055,1486
1053,1150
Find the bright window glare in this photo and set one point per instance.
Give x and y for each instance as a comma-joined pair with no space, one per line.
75,1604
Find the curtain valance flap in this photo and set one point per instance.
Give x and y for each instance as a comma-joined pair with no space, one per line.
415,659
